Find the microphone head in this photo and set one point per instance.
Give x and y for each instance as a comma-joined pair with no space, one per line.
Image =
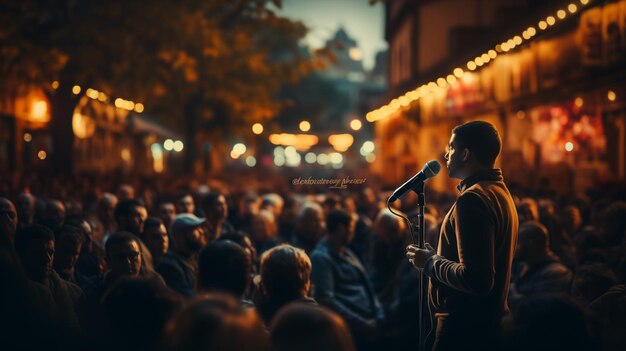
431,168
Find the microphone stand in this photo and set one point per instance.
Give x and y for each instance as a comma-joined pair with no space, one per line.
418,239
417,235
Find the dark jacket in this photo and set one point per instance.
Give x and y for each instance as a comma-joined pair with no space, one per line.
472,268
549,276
179,273
341,283
69,300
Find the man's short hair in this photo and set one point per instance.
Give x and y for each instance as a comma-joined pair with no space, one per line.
336,218
28,234
69,233
285,272
152,223
481,138
535,232
120,238
224,266
123,208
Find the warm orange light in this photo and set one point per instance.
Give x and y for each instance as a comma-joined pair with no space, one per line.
572,8
55,84
471,65
579,102
561,14
102,97
517,40
492,54
441,82
42,155
39,112
531,31
305,126
356,124
584,2
543,25
139,107
257,128
76,89
82,126
478,61
458,72
451,79
551,20
28,137
341,142
569,146
299,141
611,95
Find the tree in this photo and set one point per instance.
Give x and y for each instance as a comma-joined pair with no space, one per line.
208,64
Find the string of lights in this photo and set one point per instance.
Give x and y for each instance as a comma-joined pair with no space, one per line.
490,55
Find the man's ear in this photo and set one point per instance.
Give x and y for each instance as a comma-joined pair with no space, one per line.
466,155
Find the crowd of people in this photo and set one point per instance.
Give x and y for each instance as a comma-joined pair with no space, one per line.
95,264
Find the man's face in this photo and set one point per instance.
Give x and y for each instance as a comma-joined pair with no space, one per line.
186,205
219,209
8,218
66,254
37,259
454,158
136,219
157,241
167,213
124,259
195,239
26,206
312,224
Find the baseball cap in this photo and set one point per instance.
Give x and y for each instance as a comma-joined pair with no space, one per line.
185,221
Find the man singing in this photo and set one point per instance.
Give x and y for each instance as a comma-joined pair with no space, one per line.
470,271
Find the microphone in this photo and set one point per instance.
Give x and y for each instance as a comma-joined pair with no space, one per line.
430,169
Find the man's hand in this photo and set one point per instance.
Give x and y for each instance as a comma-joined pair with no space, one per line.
417,256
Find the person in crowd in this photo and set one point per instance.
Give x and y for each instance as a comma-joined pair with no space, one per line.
185,204
155,238
91,261
26,209
215,208
8,219
362,243
388,254
68,245
560,242
306,327
608,318
538,269
340,281
528,210
136,310
179,267
549,322
125,192
247,208
106,215
224,267
285,278
591,281
35,247
572,221
310,227
54,215
167,213
264,231
471,268
123,258
216,322
272,202
130,216
288,217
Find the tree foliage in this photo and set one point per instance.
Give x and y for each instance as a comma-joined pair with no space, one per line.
214,63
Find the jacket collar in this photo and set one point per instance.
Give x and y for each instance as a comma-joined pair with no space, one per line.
493,175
